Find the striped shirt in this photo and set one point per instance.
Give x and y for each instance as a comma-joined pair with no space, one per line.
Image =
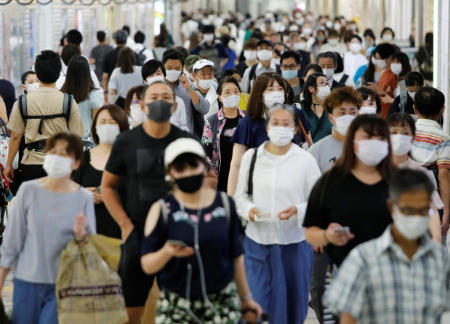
377,283
431,147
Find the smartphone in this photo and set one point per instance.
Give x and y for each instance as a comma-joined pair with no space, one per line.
97,189
177,242
342,230
263,217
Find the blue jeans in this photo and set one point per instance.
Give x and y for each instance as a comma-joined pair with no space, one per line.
34,303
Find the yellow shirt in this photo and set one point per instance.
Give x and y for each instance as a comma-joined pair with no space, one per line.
43,101
243,102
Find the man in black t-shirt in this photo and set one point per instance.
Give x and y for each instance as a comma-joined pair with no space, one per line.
138,157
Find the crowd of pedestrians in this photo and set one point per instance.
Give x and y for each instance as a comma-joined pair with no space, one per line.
263,167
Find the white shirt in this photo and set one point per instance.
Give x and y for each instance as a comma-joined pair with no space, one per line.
352,62
178,118
247,83
279,182
211,96
62,77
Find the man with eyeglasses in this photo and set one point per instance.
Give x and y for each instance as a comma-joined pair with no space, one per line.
290,65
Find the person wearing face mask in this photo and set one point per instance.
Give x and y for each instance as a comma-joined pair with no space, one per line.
321,40
196,106
269,89
211,50
153,71
108,123
50,207
400,66
403,129
387,36
414,81
341,78
265,64
298,44
333,44
132,107
353,59
369,38
189,64
290,67
403,261
274,243
137,159
328,63
315,91
203,74
220,128
371,101
384,54
250,55
356,185
194,245
30,82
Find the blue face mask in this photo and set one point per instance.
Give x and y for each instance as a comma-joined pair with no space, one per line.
289,74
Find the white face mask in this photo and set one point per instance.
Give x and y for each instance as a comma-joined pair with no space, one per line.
396,68
387,37
150,80
366,110
264,55
231,101
323,92
137,114
380,63
333,41
401,144
329,73
57,166
208,37
355,48
343,123
371,152
107,133
172,75
280,136
337,26
32,86
307,31
300,46
412,227
274,97
205,84
250,55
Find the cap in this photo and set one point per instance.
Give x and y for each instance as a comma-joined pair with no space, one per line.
201,64
190,61
182,146
120,36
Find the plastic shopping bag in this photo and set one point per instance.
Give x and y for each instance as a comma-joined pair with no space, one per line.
88,291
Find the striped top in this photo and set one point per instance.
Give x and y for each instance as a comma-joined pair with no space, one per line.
379,284
431,147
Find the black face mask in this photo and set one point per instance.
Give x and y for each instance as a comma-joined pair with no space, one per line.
159,111
190,184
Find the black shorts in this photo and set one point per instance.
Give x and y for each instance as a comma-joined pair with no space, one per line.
136,284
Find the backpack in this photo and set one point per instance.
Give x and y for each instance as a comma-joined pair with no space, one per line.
140,57
252,75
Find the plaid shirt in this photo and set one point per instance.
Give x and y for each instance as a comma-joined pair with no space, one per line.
377,283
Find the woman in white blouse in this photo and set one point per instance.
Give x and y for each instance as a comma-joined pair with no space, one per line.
278,260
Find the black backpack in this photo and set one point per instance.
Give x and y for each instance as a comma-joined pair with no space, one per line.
140,57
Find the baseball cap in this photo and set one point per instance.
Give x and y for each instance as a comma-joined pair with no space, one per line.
190,61
182,146
201,64
120,36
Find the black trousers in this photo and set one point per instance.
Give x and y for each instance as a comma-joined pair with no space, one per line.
32,171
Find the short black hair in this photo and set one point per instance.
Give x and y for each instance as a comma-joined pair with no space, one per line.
357,37
428,101
328,54
208,29
24,76
385,29
402,119
339,63
408,180
369,32
264,42
183,50
367,92
48,67
74,37
101,35
126,28
230,72
294,54
414,79
385,50
150,67
139,37
313,66
69,51
172,54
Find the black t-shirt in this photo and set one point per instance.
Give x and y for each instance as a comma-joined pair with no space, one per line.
226,151
340,197
241,67
110,61
139,159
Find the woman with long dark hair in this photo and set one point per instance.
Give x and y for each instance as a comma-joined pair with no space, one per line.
79,84
125,76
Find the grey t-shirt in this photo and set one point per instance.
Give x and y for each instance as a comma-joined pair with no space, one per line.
40,224
326,152
98,53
